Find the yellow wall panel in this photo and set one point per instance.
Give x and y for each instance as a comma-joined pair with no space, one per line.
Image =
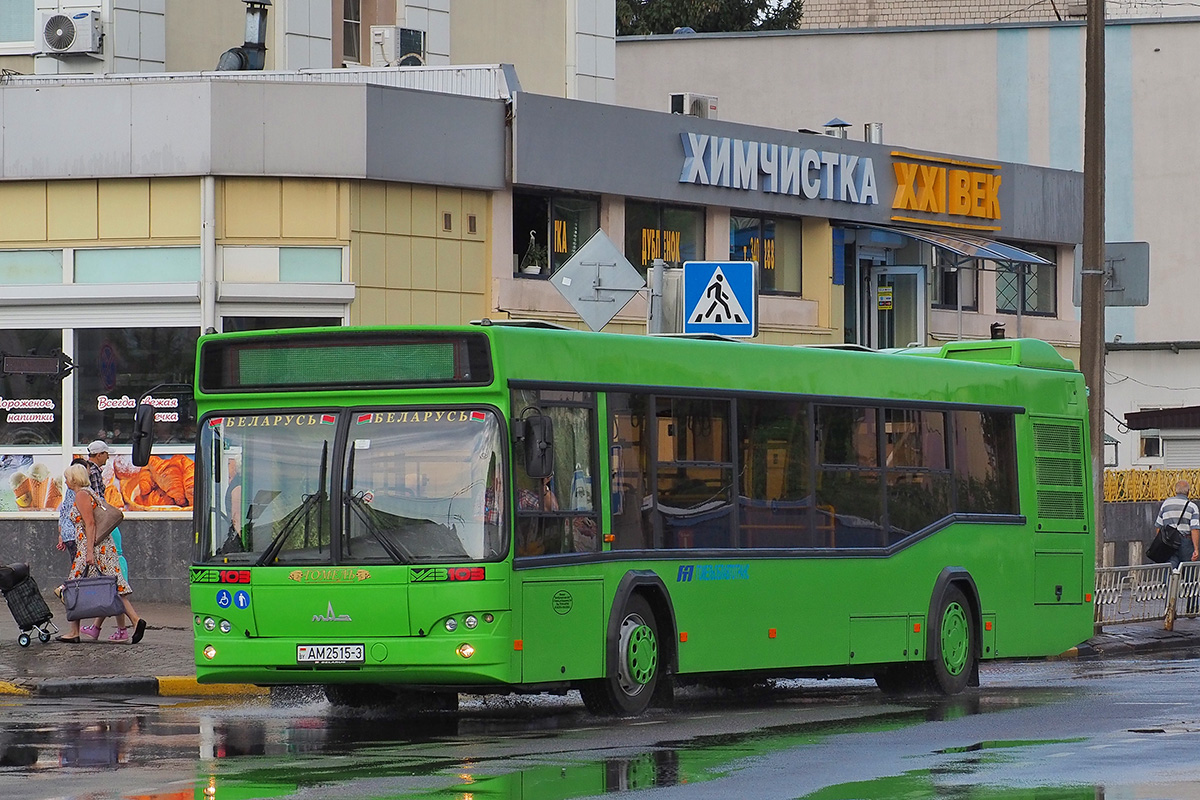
123,208
474,204
474,266
449,266
449,202
252,208
399,208
474,306
399,262
71,210
372,265
310,209
372,306
424,308
23,212
372,207
175,208
449,309
424,265
817,283
399,307
425,220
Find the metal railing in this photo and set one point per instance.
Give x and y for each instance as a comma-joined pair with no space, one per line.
1141,485
1147,592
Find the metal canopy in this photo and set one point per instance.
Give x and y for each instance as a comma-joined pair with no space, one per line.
965,245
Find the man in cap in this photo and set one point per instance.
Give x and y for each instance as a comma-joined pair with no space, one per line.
97,458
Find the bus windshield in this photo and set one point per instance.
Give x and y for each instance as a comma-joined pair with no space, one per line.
416,486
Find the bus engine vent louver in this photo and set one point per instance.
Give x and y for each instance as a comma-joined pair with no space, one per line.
1060,474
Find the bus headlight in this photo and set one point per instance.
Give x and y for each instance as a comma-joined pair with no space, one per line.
210,624
470,621
465,650
210,652
451,624
225,626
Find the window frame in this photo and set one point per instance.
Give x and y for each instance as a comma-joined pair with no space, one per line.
547,238
763,219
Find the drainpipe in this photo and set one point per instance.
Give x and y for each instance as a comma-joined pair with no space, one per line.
208,253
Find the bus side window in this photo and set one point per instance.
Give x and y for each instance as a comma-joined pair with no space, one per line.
629,448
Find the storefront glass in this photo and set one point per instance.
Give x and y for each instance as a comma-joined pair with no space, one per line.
548,229
114,366
30,405
672,233
775,245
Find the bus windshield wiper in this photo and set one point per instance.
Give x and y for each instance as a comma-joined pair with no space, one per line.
299,513
364,513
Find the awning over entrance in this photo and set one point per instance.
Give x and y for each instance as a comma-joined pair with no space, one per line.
1164,418
965,245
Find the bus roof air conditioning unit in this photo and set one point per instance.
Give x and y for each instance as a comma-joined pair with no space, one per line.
694,105
71,33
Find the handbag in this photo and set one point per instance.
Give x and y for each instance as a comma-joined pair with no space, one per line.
107,517
92,596
1166,541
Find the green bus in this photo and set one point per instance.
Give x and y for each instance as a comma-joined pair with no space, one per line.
410,513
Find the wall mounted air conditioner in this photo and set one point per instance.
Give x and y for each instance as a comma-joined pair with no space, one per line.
694,105
392,46
71,33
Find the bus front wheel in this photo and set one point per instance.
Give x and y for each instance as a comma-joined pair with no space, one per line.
955,647
633,677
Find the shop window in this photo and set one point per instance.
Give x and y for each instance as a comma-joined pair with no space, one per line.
137,265
310,264
672,233
30,267
548,229
955,281
30,405
114,366
1035,286
775,245
351,31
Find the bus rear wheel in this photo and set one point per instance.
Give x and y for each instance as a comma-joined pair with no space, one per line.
955,647
630,685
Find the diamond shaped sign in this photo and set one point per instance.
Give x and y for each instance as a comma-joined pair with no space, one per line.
598,281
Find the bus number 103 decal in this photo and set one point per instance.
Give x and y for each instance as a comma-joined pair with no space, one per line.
220,576
432,574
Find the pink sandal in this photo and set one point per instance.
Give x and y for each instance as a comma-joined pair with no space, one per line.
120,635
90,632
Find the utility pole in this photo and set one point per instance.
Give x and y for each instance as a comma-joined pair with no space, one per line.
1091,334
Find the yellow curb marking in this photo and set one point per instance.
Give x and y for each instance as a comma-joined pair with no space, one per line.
12,688
179,686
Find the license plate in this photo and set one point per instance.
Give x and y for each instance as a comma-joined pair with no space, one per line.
330,654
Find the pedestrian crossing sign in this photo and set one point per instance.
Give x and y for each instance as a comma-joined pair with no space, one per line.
720,297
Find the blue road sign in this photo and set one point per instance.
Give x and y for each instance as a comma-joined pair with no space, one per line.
720,297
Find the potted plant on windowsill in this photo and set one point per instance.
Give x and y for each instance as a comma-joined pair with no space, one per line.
536,259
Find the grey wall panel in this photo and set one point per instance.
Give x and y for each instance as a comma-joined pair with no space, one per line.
588,147
66,131
313,129
424,137
236,128
170,134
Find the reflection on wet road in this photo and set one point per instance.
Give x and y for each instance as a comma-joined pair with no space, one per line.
1045,730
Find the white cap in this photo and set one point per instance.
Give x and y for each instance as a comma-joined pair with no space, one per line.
97,447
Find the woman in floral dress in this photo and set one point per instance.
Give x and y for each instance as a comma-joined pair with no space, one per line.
103,556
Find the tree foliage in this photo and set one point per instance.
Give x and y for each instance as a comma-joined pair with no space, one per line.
645,17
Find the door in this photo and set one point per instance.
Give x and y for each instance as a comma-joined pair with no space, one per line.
897,306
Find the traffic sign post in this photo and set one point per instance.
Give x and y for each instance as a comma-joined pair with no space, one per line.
721,297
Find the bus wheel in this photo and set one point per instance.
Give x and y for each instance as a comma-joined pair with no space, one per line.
899,680
355,695
630,687
954,649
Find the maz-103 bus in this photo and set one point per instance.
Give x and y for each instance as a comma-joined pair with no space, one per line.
410,513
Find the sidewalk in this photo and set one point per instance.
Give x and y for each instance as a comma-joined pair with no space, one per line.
163,662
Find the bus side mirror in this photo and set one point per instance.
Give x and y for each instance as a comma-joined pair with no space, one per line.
143,434
539,446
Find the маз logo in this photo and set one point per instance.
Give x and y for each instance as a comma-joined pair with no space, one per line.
329,616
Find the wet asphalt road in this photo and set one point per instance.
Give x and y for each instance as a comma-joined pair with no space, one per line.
1069,729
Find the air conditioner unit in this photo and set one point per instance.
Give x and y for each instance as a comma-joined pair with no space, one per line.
71,33
694,105
392,46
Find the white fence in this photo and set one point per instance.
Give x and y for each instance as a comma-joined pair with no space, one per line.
1147,592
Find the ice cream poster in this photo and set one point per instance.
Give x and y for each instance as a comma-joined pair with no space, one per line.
30,483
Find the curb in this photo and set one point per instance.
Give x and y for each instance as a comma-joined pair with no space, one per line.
164,686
